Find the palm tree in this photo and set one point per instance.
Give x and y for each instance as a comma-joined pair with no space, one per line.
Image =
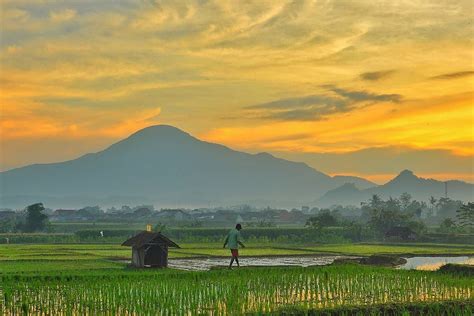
433,204
375,202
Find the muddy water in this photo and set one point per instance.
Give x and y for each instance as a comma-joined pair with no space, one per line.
202,264
434,263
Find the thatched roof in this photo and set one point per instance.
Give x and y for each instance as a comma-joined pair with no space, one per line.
149,238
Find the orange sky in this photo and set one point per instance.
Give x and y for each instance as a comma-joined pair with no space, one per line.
297,79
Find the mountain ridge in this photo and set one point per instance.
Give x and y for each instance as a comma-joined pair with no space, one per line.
405,181
165,165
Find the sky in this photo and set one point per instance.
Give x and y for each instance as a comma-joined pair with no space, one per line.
363,87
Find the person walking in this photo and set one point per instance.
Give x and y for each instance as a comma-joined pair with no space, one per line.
233,240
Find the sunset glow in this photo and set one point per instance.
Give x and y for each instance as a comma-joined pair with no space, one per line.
295,79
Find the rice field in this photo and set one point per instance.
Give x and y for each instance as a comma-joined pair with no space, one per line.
222,292
106,251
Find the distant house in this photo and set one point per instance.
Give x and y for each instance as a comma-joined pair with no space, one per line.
142,212
401,233
173,214
150,249
64,215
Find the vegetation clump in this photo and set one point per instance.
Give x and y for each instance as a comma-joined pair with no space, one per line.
459,269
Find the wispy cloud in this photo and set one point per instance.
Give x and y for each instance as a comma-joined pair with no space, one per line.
299,102
62,15
376,75
66,63
316,107
361,96
454,75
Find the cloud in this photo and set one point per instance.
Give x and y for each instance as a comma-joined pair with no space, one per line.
213,58
62,15
316,107
308,114
299,101
454,75
14,16
376,75
361,96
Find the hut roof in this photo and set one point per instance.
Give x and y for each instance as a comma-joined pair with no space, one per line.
147,238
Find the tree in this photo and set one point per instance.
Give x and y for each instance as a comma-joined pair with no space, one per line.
447,225
383,220
392,204
432,201
142,212
446,207
405,200
8,223
465,215
35,219
323,219
375,202
355,231
160,227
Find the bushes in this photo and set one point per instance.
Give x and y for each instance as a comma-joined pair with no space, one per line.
206,235
37,238
190,235
458,269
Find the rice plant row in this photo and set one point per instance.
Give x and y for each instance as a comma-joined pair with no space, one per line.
226,292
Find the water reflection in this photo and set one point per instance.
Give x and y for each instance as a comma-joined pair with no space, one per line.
201,264
434,263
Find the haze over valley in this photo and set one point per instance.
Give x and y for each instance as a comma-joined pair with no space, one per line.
168,167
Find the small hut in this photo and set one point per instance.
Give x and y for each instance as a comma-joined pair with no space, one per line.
150,249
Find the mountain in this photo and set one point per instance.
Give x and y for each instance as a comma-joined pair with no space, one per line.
164,165
423,189
358,182
346,194
420,188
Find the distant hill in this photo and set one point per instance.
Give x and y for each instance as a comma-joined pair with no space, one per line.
164,165
346,194
420,188
358,182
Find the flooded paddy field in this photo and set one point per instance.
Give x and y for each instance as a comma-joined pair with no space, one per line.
93,279
412,263
432,263
202,264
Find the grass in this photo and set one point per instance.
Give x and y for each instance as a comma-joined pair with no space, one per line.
45,257
107,251
261,291
54,266
88,279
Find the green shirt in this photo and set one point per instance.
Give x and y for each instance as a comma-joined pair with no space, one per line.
233,238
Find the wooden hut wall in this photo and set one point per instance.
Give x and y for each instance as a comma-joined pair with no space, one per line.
138,257
157,256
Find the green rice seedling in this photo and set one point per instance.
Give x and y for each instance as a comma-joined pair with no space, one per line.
221,292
